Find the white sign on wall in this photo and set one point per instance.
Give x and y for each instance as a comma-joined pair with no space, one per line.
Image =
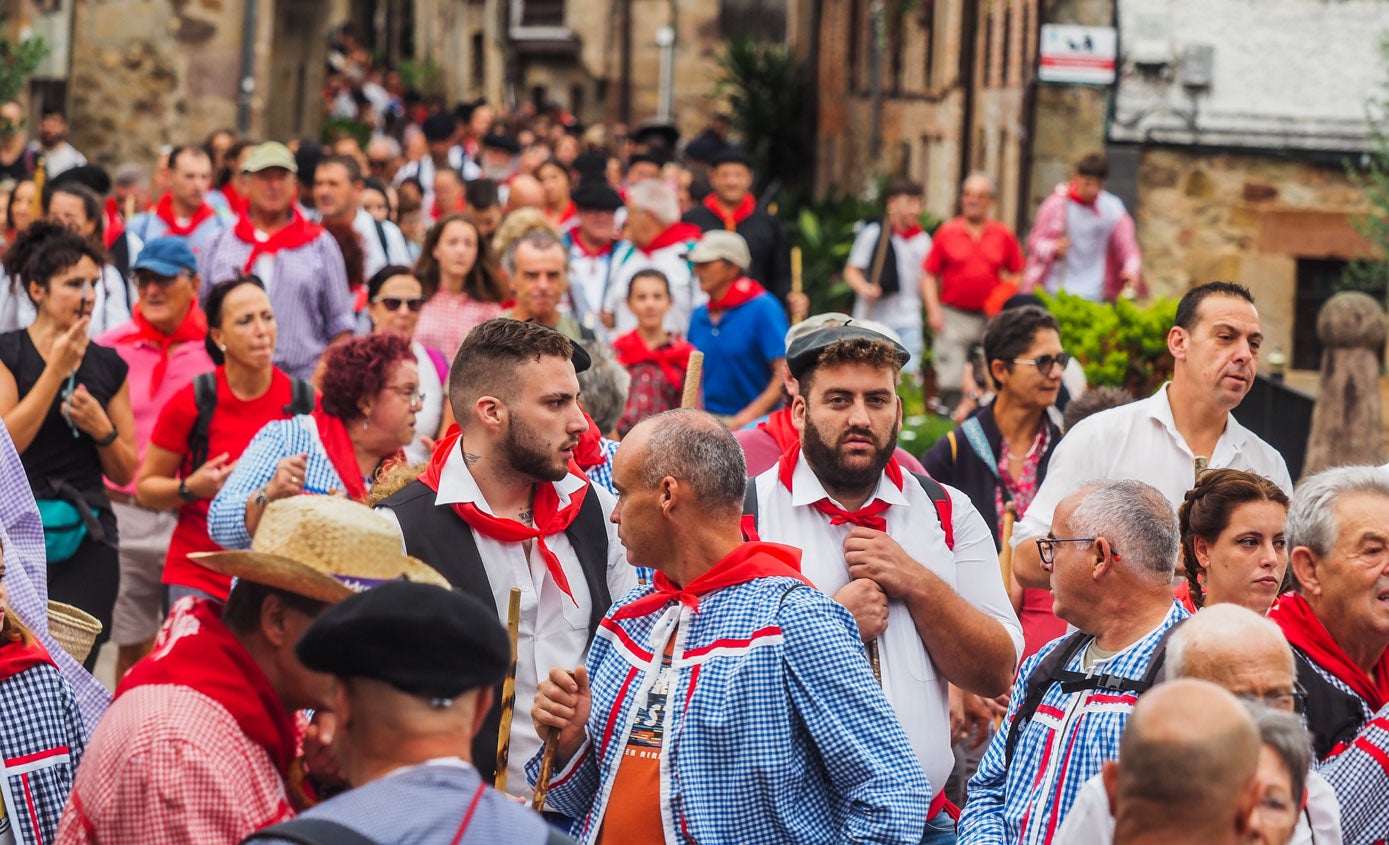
1077,54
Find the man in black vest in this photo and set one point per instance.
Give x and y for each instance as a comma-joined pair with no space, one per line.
733,207
501,505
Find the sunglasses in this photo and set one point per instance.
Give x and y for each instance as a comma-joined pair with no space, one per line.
1046,362
393,303
375,163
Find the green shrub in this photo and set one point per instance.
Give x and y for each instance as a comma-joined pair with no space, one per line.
921,427
1120,345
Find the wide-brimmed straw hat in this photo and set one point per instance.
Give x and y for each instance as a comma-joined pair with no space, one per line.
75,630
324,548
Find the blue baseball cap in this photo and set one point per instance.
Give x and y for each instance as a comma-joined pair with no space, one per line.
167,256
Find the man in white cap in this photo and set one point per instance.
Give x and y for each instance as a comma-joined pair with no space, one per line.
199,742
740,330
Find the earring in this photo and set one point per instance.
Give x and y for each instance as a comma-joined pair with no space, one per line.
222,346
366,423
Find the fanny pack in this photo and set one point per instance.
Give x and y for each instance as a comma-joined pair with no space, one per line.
64,528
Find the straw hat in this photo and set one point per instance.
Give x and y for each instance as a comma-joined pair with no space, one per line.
324,548
74,629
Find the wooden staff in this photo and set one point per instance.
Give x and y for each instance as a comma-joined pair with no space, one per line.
873,661
1005,556
547,765
693,372
513,632
796,284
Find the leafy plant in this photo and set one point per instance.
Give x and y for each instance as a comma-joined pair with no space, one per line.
18,59
426,77
336,128
769,101
1119,345
921,427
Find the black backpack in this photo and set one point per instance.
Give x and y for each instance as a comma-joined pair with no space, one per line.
205,398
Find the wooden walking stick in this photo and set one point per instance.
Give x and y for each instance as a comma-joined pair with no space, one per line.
694,371
873,661
547,765
1005,555
797,284
513,633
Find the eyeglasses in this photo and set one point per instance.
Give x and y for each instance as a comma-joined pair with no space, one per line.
1046,547
414,396
377,163
1044,363
1293,700
144,280
393,303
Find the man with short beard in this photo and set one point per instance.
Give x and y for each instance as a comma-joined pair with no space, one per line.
935,614
502,505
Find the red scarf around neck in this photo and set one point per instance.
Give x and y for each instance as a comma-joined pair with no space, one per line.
1305,631
908,233
584,250
740,292
779,426
673,234
589,453
115,226
15,657
869,515
192,330
337,444
550,518
197,651
731,219
164,210
1074,196
298,232
235,201
569,212
672,357
749,561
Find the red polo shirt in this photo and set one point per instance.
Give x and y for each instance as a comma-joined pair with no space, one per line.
970,269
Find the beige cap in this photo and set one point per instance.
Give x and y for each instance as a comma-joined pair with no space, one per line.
720,244
268,155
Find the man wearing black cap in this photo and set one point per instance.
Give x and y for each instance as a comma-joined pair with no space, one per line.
732,206
591,246
502,505
439,130
499,157
643,166
415,667
911,559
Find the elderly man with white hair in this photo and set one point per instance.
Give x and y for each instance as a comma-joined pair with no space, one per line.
1237,649
655,239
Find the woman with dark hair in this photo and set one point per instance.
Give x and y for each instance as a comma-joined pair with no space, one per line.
21,209
556,184
205,427
395,298
1232,540
371,393
462,287
79,208
66,403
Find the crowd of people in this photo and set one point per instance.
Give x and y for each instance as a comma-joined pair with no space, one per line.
387,473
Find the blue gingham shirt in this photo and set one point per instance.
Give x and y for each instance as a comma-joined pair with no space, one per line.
1064,744
42,739
1360,775
307,289
776,731
226,516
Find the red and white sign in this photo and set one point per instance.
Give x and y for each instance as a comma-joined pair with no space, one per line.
1077,54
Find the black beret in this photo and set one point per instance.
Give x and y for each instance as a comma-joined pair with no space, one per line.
596,195
658,132
90,175
647,158
805,351
591,162
438,127
732,155
502,142
419,638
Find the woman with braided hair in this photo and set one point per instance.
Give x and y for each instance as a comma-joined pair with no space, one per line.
1232,541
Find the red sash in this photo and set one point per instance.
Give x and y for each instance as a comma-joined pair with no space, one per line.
337,445
673,234
15,657
740,292
778,424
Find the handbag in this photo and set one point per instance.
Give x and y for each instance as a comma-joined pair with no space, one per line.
64,528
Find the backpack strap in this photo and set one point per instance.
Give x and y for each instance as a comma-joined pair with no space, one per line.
301,398
205,399
945,509
302,831
1035,688
974,433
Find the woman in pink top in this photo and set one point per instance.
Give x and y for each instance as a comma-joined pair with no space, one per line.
461,284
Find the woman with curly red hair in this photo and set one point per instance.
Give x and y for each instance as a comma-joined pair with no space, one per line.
370,395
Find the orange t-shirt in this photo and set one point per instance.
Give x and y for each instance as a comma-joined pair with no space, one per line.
634,810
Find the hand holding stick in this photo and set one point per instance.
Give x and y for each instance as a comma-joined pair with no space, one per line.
513,631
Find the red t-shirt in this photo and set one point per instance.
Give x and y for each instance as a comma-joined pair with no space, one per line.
969,270
234,423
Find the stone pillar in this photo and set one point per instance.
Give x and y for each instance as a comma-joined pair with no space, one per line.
1347,424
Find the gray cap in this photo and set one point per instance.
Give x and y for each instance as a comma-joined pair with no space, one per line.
721,244
804,354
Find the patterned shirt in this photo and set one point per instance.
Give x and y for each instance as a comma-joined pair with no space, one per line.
448,317
307,288
41,742
1360,775
1023,488
649,394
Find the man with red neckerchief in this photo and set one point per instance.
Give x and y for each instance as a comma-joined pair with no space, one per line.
728,701
503,504
591,244
732,207
656,240
740,331
298,261
888,278
920,575
184,210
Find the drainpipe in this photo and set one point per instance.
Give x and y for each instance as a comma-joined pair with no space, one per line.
665,39
878,42
248,68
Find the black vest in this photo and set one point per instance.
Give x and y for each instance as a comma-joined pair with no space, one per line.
437,536
1333,715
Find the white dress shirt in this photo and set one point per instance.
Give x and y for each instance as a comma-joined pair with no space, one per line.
375,254
554,629
1140,441
916,690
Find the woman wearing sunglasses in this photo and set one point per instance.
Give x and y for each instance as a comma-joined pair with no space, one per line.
66,403
395,298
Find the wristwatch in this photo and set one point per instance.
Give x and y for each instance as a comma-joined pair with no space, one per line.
108,439
262,497
184,493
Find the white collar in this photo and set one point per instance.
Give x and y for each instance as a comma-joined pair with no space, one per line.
1159,407
806,488
457,485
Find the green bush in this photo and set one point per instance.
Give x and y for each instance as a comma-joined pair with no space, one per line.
921,427
1119,345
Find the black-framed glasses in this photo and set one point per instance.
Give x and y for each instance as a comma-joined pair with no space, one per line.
144,279
378,163
393,303
1293,700
1044,363
1046,547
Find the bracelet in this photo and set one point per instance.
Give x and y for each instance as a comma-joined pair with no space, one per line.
108,439
184,493
262,497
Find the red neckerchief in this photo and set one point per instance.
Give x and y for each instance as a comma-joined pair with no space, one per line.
360,298
115,226
569,212
193,328
1182,593
235,201
869,516
337,445
731,219
779,426
1074,196
589,454
673,234
672,357
550,518
740,292
15,657
196,650
748,562
592,253
908,233
1305,631
164,210
298,232
458,208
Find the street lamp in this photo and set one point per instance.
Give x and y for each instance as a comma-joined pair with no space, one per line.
665,39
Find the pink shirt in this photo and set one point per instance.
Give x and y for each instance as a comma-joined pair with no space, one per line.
446,319
186,361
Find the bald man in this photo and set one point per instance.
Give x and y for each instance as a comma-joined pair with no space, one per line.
525,192
1182,780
